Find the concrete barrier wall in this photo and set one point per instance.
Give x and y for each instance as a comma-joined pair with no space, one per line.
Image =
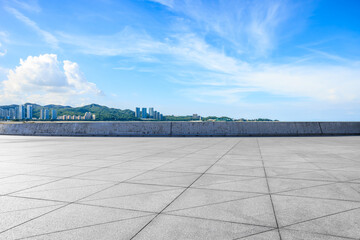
181,128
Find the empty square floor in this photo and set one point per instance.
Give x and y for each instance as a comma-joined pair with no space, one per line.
179,188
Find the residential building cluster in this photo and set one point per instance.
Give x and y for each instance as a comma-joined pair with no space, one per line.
20,112
25,112
143,114
87,116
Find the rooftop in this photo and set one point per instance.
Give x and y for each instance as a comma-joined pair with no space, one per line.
179,188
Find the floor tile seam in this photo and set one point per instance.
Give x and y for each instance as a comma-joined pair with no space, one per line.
86,226
316,218
76,175
105,181
217,220
233,181
167,171
135,194
32,181
40,199
286,174
22,174
32,208
268,186
320,198
63,188
157,178
318,233
254,234
113,207
308,179
235,175
308,187
215,203
60,202
183,191
227,190
153,184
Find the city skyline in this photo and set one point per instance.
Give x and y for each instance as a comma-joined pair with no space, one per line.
24,112
288,60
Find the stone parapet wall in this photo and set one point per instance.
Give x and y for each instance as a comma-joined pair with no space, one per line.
181,128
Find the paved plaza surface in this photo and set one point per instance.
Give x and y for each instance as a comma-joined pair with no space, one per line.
179,188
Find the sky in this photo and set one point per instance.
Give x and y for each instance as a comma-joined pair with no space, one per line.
277,59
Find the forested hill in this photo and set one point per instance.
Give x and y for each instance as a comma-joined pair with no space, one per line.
102,113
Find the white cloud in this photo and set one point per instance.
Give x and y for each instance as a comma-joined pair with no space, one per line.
44,79
127,42
167,3
47,36
30,5
2,52
252,27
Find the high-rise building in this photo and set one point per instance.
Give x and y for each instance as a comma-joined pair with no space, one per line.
137,112
87,116
21,112
143,113
3,113
46,114
29,111
53,114
42,114
155,114
93,117
161,117
158,116
151,112
12,113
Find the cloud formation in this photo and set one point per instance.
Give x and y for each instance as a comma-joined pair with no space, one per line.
191,61
44,79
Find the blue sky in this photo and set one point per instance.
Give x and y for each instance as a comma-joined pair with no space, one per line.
287,60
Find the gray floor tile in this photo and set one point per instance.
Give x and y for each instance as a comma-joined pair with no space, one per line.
345,224
69,217
116,230
300,235
288,184
174,227
341,191
291,209
193,198
201,188
255,210
268,235
65,190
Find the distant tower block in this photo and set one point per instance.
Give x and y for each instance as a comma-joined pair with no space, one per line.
29,112
151,112
137,112
21,112
46,114
143,113
53,115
